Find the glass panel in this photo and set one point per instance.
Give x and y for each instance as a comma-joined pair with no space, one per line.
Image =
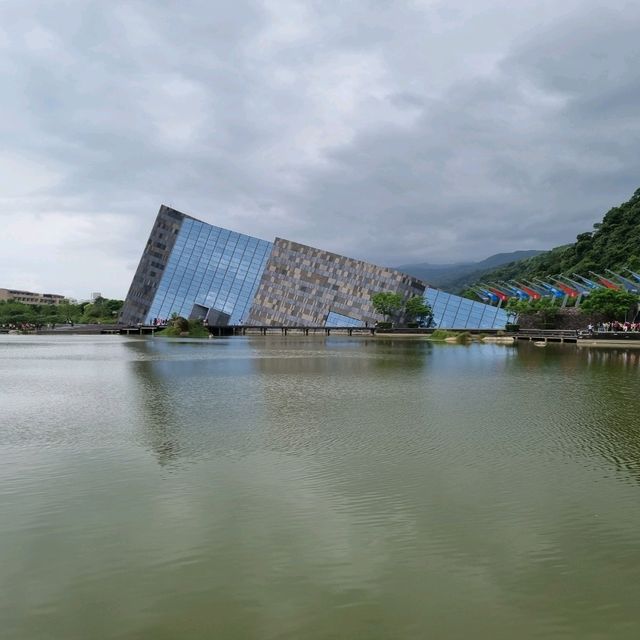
455,312
210,266
338,320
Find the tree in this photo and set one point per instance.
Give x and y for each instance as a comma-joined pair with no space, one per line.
180,323
613,244
12,312
545,309
612,303
387,303
416,308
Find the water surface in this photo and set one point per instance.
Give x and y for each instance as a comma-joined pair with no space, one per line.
317,488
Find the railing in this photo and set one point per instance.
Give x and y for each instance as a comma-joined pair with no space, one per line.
567,333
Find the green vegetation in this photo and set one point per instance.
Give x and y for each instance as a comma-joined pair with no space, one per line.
417,309
387,303
390,304
613,244
545,309
100,311
181,327
441,335
612,304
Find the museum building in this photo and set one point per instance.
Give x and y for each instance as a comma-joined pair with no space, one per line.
201,271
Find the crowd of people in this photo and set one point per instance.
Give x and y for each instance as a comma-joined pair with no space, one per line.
34,326
21,326
614,326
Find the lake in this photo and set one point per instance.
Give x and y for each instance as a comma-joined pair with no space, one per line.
317,488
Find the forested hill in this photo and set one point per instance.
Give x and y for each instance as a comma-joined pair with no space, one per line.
613,244
454,277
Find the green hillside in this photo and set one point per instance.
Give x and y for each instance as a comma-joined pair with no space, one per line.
613,244
455,277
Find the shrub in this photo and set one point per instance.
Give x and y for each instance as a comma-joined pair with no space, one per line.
180,323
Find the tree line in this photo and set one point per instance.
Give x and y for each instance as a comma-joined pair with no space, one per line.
100,311
389,305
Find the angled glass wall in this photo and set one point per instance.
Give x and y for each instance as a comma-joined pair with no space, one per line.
456,312
338,320
211,268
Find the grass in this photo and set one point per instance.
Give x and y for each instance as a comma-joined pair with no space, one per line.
197,331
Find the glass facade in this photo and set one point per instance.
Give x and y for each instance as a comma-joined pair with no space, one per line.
212,268
203,272
338,320
456,312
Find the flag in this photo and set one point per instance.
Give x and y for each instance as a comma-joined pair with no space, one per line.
634,274
523,295
572,293
609,284
579,286
492,296
532,293
549,287
629,285
537,287
505,289
481,294
590,283
496,292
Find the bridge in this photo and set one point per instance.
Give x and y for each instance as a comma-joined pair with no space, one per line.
263,330
285,330
546,335
575,336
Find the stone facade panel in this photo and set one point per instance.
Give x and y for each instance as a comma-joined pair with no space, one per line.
301,285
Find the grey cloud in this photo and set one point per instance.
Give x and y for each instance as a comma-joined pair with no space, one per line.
393,132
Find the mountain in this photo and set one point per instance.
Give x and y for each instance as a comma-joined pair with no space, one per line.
454,277
613,244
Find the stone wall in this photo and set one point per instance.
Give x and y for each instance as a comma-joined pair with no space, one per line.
301,285
570,318
152,265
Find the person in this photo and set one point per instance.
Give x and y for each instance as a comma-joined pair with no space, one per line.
590,329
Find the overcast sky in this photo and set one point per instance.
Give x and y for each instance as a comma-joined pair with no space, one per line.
396,132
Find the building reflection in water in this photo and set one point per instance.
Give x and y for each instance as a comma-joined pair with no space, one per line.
224,397
176,392
238,396
160,428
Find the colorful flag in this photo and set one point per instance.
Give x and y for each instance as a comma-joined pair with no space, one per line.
590,283
532,293
634,274
574,283
609,284
521,293
571,292
481,294
488,294
549,287
629,285
503,288
496,292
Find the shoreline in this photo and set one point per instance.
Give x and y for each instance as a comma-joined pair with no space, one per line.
387,335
